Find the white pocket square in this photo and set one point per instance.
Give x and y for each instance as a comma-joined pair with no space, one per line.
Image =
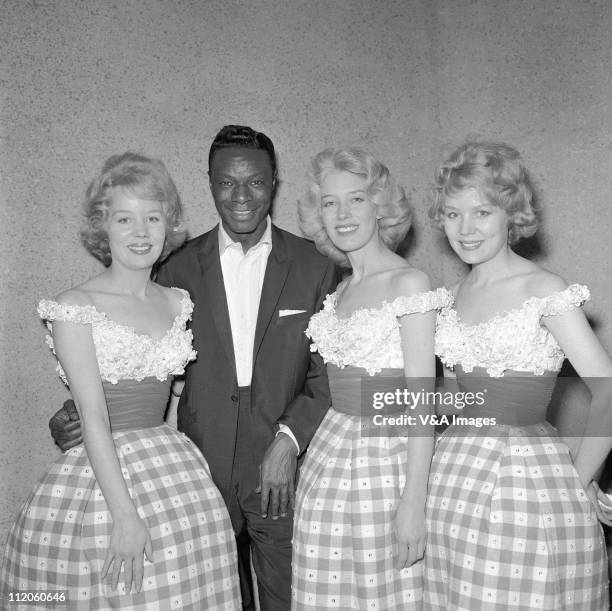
289,312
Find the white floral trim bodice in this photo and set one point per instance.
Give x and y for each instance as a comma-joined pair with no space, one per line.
513,340
122,353
370,337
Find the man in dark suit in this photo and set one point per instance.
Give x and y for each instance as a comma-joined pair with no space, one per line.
255,395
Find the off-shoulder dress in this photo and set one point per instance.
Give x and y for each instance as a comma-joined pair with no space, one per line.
509,524
61,535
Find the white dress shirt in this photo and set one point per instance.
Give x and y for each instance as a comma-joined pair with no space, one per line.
243,276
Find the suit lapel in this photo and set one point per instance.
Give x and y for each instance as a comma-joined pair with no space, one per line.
275,277
214,291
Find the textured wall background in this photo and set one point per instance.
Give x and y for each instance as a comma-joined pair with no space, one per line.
408,79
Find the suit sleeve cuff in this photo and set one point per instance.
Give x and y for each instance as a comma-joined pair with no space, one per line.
283,428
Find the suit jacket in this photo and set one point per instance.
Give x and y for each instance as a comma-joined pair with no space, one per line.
289,383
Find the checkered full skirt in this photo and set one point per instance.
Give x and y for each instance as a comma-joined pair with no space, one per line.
61,535
344,548
510,526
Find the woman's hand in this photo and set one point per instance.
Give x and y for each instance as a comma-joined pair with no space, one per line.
601,502
129,539
411,532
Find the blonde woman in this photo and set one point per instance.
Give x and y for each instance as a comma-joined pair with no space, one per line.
130,518
510,523
359,529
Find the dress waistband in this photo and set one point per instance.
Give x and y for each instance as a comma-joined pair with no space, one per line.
136,405
352,388
516,398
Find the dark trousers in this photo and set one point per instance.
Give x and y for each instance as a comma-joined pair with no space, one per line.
266,541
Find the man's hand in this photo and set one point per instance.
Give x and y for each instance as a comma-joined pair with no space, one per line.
277,477
65,426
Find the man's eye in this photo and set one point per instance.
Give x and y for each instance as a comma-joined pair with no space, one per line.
123,219
328,203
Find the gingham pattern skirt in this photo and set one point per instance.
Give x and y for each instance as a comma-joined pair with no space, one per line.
62,533
510,526
344,547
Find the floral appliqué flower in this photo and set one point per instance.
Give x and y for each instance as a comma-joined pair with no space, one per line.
513,340
123,354
370,337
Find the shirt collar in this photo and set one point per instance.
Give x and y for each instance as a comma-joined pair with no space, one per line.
225,241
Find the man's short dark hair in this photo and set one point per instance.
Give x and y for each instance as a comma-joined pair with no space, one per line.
243,137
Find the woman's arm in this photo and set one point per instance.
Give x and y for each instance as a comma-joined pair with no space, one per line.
175,396
75,350
417,336
588,357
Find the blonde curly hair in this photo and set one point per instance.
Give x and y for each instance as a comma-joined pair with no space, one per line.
145,177
392,205
495,170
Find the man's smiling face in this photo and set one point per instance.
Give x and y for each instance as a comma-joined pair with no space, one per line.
242,185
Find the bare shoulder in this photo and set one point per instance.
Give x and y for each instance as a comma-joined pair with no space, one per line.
85,294
407,281
172,296
78,295
542,283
